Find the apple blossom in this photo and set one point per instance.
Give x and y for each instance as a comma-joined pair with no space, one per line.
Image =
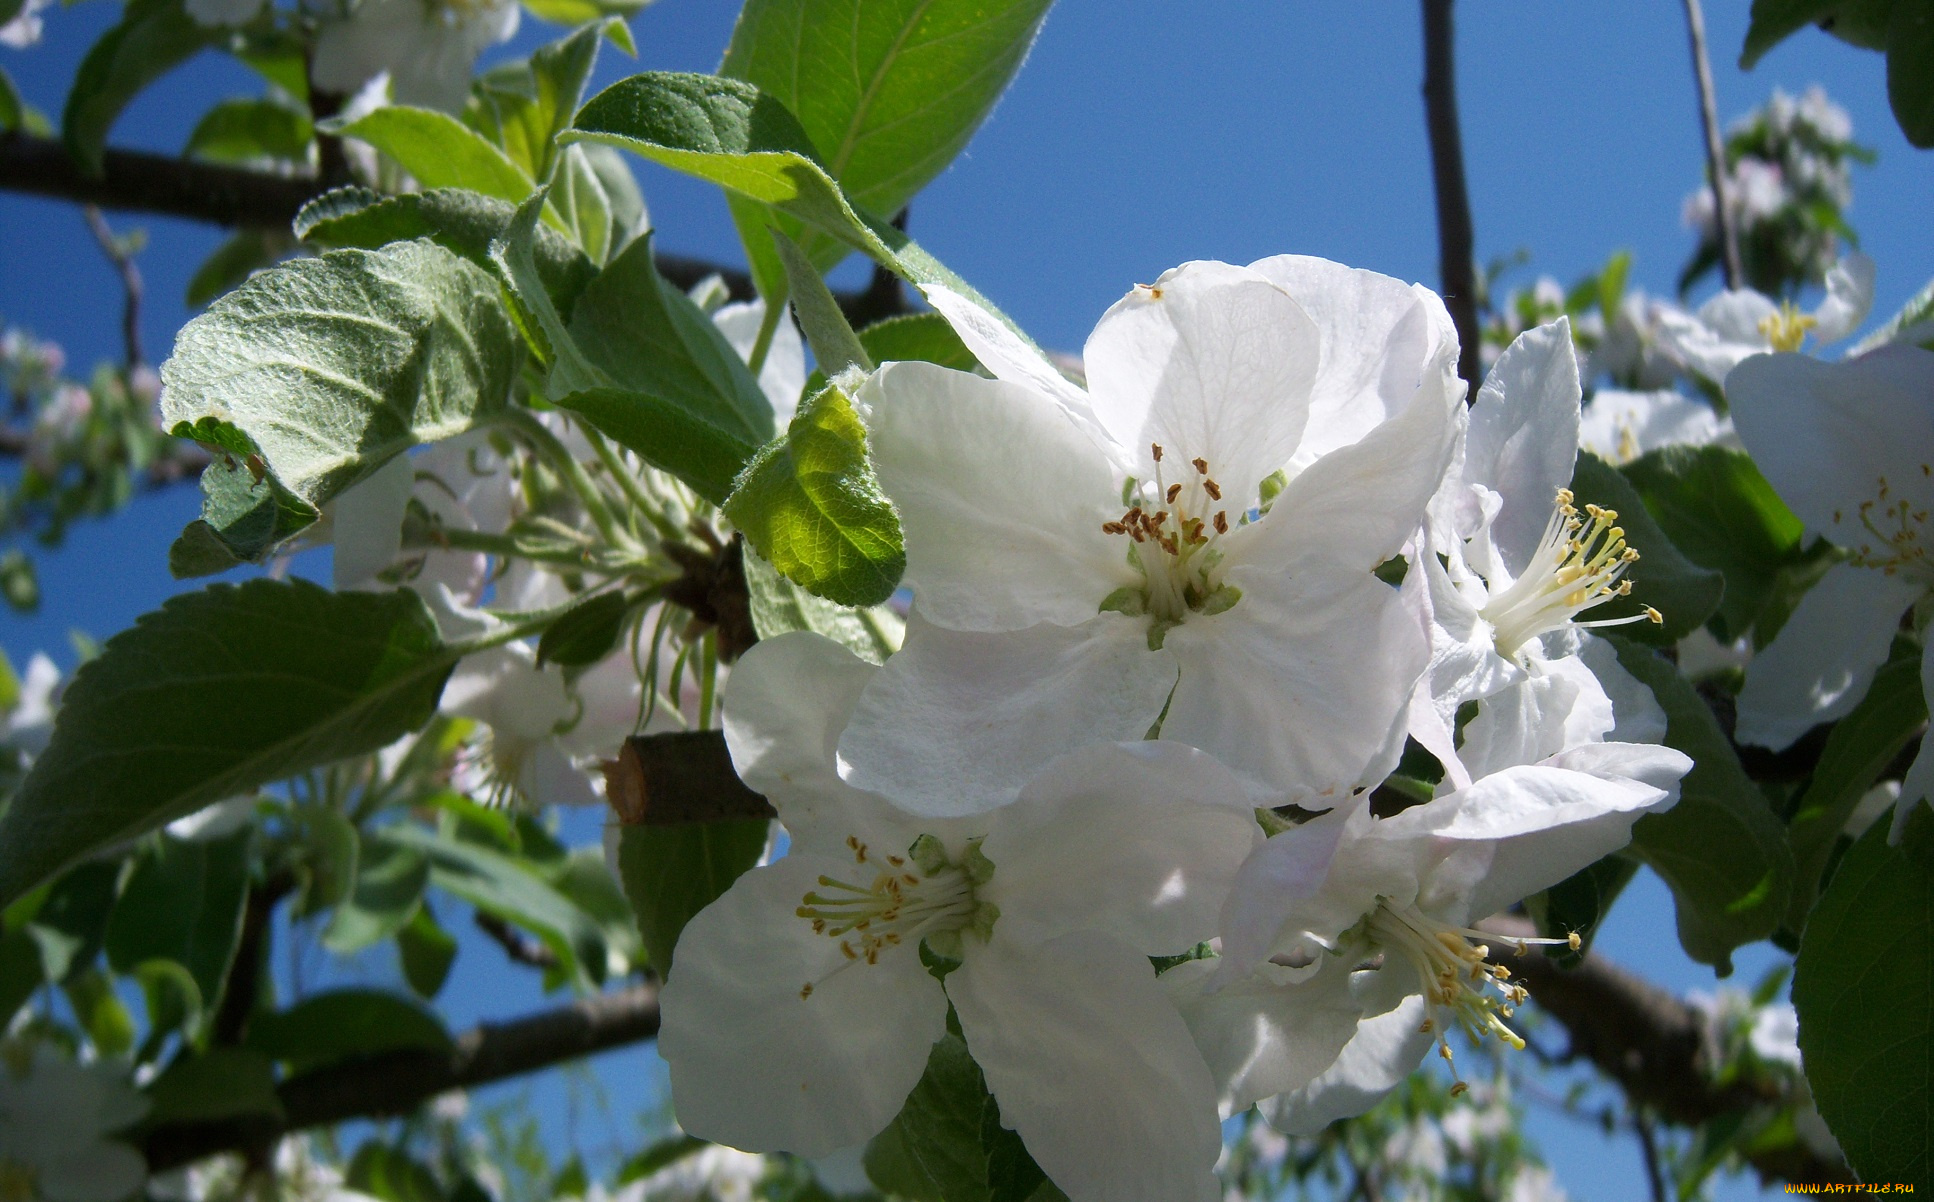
1848,446
1089,565
57,1121
426,48
1619,426
1734,325
799,1010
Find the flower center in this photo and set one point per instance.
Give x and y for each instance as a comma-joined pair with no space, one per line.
1173,536
921,895
1889,537
1578,564
1461,986
1787,329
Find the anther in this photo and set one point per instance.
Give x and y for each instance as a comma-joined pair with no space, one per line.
1174,491
1221,522
1201,466
1155,449
1212,488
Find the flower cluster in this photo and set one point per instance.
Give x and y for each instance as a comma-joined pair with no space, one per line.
1171,632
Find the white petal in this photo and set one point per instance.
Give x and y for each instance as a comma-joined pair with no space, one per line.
956,723
756,1066
1523,436
505,689
1464,663
1212,362
1620,426
1139,840
1357,506
1636,715
1386,1049
369,523
1093,1066
1827,434
1001,496
1819,665
1377,340
1850,296
783,376
1290,869
1004,353
1303,686
1725,331
1264,1035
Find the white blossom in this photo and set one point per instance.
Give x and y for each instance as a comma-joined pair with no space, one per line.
426,47
1735,325
1619,426
57,1120
24,29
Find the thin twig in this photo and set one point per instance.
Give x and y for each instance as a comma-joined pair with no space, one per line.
1715,149
122,256
1456,253
517,945
1648,1144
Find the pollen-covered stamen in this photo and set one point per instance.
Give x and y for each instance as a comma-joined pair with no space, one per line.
1174,530
1788,328
1461,986
1891,531
909,898
1579,563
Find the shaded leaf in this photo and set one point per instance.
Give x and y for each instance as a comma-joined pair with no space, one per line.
343,1024
153,36
222,1083
1684,593
671,873
184,902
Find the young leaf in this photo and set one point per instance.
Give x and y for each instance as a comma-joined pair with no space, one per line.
222,1083
671,873
522,106
1860,986
1774,21
323,369
454,218
345,1023
216,693
12,108
1862,744
1684,593
888,94
152,37
243,518
810,504
427,951
241,131
947,1143
440,151
1720,849
779,605
586,634
387,893
733,135
1721,513
835,346
1579,903
183,902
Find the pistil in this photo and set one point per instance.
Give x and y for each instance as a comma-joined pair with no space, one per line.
921,895
1174,535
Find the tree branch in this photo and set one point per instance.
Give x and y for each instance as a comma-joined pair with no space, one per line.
1715,149
1456,244
121,255
517,945
396,1083
1653,1045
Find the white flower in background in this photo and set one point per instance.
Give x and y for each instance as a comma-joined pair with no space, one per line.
1535,1183
1291,1011
1619,426
222,12
783,375
798,1014
29,722
57,1119
1629,351
523,706
24,29
1734,325
714,1173
1509,567
1086,563
1849,446
464,483
427,47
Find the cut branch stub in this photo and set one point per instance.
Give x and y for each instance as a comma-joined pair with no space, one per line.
684,776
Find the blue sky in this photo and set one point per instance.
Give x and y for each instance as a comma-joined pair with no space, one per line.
1141,133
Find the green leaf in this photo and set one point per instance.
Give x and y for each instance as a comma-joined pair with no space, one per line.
241,132
328,847
12,107
1684,593
240,256
667,436
1579,903
521,107
184,903
1721,513
390,880
586,879
427,951
343,1024
1918,311
391,1175
1774,21
586,634
1910,69
743,140
889,92
244,516
910,337
779,605
100,1013
835,346
671,873
597,201
1859,749
1861,989
810,504
440,151
454,218
505,887
212,695
577,12
20,975
1721,849
328,367
222,1083
70,923
152,37
947,1143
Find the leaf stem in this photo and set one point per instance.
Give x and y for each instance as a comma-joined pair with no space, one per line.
552,448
